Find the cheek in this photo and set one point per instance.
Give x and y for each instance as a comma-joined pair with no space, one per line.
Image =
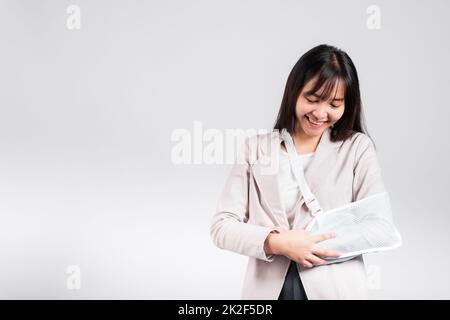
302,108
337,115
298,107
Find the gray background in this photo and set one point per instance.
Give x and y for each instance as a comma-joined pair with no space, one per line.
86,119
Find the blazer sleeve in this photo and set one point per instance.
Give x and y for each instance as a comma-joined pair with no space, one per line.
229,228
367,179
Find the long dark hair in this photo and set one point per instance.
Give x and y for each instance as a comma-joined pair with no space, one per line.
330,65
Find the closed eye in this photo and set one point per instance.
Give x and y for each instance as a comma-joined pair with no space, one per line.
310,101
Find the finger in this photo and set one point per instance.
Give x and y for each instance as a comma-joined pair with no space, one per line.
325,252
306,263
314,259
323,236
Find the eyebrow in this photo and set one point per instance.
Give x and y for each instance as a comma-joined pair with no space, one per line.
335,99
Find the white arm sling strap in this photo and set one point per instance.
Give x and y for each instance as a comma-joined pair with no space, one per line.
361,227
296,166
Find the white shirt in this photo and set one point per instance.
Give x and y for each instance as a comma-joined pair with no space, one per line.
290,191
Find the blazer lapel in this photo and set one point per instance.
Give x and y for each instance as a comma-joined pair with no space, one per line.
265,171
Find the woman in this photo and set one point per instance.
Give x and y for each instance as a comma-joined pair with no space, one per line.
263,214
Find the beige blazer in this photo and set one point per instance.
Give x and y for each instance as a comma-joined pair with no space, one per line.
250,207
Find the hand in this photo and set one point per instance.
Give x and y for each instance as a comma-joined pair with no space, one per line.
298,245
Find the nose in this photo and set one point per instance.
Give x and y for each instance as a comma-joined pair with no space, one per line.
320,113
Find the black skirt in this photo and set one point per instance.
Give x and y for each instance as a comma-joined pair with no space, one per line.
292,287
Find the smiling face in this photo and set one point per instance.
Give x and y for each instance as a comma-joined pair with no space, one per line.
315,115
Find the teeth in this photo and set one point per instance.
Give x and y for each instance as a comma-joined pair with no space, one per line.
314,121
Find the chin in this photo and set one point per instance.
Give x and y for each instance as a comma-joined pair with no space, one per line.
313,132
